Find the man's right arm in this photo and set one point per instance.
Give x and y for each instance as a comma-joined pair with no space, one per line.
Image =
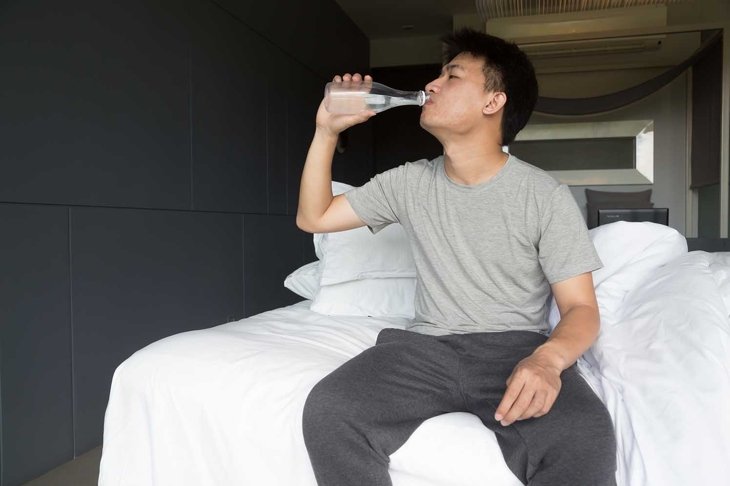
318,210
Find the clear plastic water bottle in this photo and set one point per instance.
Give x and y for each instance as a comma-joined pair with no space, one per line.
350,99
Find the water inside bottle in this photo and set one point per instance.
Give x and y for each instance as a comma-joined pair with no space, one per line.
348,102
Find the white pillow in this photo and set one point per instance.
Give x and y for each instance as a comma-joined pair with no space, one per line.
358,254
630,252
376,297
304,281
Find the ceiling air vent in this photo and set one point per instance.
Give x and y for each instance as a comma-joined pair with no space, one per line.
493,9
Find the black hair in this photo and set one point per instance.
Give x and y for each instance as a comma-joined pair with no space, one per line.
506,69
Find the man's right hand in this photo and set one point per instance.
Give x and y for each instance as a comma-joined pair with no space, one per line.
332,124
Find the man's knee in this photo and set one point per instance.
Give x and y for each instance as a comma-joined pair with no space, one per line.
322,410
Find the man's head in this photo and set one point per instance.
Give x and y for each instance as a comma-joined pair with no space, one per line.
484,79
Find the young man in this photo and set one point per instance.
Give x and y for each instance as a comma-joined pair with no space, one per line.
492,237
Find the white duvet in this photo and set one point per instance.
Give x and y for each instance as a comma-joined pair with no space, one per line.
222,406
662,367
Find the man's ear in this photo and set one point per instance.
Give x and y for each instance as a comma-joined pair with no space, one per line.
495,103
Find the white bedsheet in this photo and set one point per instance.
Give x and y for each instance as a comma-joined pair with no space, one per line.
222,406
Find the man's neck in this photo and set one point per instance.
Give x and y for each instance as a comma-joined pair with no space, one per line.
471,165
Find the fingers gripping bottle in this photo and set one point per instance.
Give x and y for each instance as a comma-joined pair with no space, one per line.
350,99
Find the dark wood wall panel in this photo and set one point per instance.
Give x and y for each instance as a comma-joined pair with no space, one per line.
138,138
35,341
356,164
139,276
317,33
268,259
305,94
398,135
229,114
95,103
276,137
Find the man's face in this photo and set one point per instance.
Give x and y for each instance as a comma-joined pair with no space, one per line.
457,96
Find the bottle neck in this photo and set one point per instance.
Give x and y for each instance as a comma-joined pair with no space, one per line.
417,98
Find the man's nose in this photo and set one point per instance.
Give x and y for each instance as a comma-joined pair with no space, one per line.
432,87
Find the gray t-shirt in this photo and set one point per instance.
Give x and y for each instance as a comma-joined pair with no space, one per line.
485,254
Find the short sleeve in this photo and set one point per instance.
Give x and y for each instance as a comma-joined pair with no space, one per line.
377,201
565,248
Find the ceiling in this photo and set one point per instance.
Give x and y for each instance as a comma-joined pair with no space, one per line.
390,19
406,32
381,19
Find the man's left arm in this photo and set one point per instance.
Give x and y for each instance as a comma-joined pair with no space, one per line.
533,386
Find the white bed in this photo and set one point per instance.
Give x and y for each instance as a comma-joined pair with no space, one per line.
222,406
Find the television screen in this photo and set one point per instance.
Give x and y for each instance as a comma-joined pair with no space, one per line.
655,215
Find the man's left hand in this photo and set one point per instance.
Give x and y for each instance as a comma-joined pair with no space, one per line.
532,389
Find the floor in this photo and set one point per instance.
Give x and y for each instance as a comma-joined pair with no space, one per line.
82,471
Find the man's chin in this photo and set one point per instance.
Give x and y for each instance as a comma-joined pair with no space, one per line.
425,124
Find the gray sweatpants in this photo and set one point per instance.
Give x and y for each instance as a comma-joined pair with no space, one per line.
365,410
